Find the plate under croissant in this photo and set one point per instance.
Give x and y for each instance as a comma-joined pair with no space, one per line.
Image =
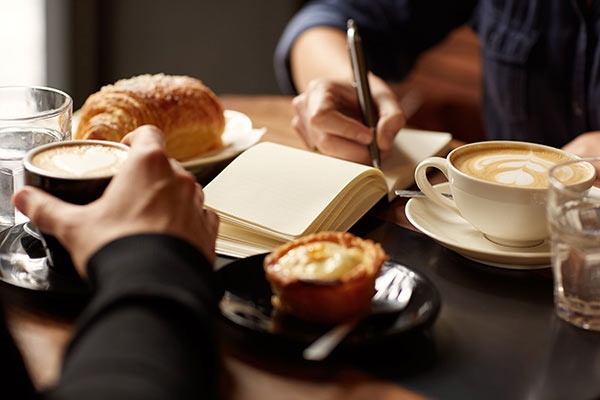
239,135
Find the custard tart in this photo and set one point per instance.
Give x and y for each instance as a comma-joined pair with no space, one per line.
327,277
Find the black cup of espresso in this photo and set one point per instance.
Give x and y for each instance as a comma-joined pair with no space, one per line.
76,171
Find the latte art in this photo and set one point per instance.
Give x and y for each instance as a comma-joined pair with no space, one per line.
80,160
515,166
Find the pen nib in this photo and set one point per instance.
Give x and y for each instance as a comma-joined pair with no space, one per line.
377,163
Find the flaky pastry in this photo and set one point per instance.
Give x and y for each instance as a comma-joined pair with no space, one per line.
326,277
188,112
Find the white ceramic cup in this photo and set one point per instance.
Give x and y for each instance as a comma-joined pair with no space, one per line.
506,214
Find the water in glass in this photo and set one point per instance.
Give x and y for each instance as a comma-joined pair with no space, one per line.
15,142
576,263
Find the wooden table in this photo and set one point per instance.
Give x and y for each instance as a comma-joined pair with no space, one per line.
42,338
496,336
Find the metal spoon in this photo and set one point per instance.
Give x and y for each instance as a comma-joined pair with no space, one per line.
416,193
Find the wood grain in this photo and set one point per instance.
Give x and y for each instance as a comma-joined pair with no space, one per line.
42,339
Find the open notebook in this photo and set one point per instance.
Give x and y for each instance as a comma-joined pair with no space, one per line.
271,194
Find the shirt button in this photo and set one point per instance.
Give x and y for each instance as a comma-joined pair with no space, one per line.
577,109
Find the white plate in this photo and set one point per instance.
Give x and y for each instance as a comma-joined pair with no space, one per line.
239,135
452,231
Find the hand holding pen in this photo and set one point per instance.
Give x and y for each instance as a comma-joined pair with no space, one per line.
328,115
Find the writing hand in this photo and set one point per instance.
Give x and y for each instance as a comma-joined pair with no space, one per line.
328,118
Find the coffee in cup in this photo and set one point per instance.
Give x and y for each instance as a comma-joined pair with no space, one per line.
514,165
500,187
76,171
80,160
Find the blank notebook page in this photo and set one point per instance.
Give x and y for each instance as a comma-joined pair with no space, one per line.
279,188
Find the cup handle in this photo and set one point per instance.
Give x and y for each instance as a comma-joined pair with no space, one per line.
426,187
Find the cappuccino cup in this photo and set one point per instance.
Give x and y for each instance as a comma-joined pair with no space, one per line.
76,171
500,187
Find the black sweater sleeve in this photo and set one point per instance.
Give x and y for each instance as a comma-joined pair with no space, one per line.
147,332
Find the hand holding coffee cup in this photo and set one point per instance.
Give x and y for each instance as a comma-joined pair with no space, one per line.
150,194
75,171
500,187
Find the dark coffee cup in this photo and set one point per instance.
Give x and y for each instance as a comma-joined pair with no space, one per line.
76,171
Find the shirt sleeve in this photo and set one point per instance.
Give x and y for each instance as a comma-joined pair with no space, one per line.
394,32
147,331
14,379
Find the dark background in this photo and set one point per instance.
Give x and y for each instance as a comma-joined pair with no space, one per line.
229,44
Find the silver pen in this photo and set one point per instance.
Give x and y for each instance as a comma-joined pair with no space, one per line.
363,91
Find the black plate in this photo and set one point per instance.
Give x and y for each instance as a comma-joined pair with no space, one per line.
247,304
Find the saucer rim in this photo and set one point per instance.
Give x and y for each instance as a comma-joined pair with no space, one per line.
512,258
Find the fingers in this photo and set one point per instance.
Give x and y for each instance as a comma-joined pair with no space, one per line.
178,168
146,135
585,145
331,144
328,119
147,154
344,149
391,117
391,120
330,107
147,160
47,212
335,123
212,221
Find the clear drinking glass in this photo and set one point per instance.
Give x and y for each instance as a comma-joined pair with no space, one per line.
29,117
574,221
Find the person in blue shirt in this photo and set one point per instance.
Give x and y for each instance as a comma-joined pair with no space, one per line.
540,63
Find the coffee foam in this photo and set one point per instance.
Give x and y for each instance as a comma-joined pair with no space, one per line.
80,160
516,166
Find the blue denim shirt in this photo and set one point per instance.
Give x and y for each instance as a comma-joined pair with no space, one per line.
541,59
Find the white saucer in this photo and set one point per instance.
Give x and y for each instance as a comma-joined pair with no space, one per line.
452,231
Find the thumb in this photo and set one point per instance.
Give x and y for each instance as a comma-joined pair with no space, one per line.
47,212
145,134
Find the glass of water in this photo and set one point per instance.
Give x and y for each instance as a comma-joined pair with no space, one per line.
574,222
29,117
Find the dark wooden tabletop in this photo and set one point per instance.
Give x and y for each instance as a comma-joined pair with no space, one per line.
496,335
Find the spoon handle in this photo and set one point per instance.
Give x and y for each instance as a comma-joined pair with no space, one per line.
416,193
324,345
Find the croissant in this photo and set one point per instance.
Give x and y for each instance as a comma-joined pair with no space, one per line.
188,112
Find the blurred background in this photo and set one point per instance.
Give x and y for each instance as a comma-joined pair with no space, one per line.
80,45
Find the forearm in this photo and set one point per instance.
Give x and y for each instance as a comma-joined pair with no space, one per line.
392,34
141,350
320,52
147,332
